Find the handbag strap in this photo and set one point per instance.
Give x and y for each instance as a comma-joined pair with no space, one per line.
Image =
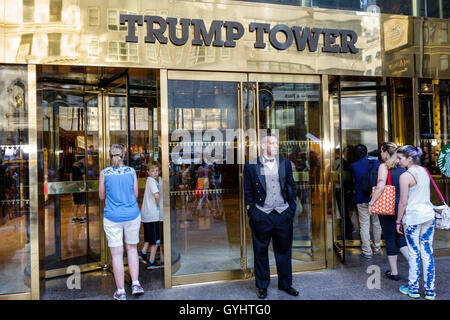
389,182
435,186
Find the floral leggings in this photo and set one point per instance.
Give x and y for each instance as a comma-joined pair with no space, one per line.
420,247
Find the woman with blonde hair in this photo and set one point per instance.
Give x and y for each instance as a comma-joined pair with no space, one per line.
118,185
394,241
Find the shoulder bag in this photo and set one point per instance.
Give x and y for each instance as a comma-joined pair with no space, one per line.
442,218
385,204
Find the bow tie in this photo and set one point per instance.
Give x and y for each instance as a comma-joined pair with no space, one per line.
269,160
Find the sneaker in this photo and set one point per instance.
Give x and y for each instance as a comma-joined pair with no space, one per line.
413,294
365,255
120,296
161,263
430,295
74,219
136,289
142,258
82,220
377,251
154,265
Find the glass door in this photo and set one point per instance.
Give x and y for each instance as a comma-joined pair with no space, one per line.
85,111
214,123
360,115
131,113
72,140
289,106
205,145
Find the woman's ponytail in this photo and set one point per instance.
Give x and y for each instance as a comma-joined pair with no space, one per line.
117,155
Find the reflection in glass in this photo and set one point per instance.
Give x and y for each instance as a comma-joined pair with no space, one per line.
294,109
360,116
433,8
403,7
434,104
204,195
14,182
71,158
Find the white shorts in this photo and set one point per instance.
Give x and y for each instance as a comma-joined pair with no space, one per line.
114,231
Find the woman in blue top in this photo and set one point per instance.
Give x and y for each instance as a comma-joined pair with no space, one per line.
394,241
118,185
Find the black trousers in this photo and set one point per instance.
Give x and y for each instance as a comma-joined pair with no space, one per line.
279,228
394,241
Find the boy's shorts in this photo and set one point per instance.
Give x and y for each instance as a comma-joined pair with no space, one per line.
114,231
151,232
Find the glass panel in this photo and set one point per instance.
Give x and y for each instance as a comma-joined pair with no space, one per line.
55,10
14,182
71,170
434,99
118,128
28,10
403,7
364,131
435,8
93,16
54,44
204,194
112,19
371,109
294,110
92,170
144,126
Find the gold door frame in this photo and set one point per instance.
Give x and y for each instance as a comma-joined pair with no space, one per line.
241,78
170,280
345,244
104,143
301,78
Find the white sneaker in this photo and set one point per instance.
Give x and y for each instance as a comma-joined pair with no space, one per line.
120,296
137,289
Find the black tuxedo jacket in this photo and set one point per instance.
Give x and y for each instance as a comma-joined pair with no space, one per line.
255,184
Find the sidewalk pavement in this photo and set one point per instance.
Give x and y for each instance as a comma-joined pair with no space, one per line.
346,282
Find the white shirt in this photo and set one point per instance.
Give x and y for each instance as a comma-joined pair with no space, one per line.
419,208
151,211
269,164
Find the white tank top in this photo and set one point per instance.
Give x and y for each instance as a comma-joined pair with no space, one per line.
419,208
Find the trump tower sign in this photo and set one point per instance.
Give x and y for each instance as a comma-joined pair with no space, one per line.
334,40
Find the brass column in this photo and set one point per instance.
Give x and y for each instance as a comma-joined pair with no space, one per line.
163,119
37,219
326,147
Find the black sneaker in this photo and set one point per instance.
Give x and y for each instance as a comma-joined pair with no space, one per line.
154,265
82,220
142,258
75,219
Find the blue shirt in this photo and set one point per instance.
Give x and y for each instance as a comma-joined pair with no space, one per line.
358,168
121,204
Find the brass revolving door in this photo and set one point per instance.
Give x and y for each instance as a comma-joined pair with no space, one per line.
85,110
